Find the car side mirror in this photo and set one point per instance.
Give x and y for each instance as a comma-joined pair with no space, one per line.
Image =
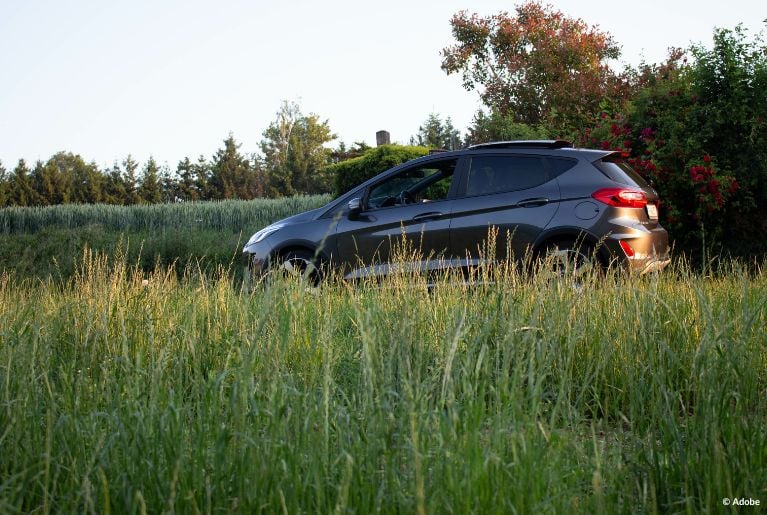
355,208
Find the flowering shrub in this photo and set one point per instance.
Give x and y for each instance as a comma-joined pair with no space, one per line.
697,132
698,179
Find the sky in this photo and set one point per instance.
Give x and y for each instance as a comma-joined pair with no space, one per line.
173,78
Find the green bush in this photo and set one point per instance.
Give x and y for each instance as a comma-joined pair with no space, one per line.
698,131
353,172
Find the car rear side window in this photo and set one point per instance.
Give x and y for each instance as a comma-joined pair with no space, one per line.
620,172
498,174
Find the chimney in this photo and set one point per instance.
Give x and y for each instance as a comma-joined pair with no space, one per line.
383,138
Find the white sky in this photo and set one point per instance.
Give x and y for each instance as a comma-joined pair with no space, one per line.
173,78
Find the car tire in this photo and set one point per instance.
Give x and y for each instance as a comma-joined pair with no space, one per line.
301,265
573,259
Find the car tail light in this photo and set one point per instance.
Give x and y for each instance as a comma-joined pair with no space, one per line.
621,197
627,248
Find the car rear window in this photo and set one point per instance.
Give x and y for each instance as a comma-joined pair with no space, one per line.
620,171
498,174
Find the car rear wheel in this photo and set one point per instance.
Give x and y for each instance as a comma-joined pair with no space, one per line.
571,259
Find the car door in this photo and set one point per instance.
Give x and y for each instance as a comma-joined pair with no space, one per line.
509,196
407,212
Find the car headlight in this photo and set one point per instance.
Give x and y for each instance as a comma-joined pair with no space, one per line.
263,233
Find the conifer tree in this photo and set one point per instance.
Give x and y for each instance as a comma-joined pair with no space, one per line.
186,180
150,190
201,174
3,185
231,172
114,186
434,133
131,181
168,184
21,192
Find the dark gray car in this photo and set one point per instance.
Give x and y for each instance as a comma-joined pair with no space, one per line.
529,196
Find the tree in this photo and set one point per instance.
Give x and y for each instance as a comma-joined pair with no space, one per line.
186,186
3,185
131,181
86,179
295,153
168,184
342,152
201,173
20,191
66,178
150,190
232,175
47,182
539,66
434,133
497,127
114,186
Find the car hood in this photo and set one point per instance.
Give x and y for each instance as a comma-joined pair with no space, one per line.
300,217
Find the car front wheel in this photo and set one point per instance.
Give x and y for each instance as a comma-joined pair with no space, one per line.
299,264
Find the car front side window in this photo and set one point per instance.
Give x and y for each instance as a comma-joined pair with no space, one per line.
427,183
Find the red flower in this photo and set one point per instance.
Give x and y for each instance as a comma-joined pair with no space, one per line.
605,145
706,158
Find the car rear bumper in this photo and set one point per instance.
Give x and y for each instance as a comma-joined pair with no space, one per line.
655,266
650,250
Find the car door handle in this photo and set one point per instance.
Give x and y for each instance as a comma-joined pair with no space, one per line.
424,217
533,202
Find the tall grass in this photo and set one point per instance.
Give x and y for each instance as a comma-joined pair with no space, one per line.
520,395
227,215
47,241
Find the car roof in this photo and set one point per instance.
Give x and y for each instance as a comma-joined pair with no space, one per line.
560,148
538,143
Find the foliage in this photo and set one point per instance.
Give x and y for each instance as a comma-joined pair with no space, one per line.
516,397
295,153
232,174
698,131
539,66
497,127
20,188
150,189
3,184
66,178
434,133
130,179
353,172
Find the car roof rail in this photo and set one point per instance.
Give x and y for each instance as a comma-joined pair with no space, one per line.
537,143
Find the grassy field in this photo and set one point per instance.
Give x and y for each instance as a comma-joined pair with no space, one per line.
47,242
187,395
